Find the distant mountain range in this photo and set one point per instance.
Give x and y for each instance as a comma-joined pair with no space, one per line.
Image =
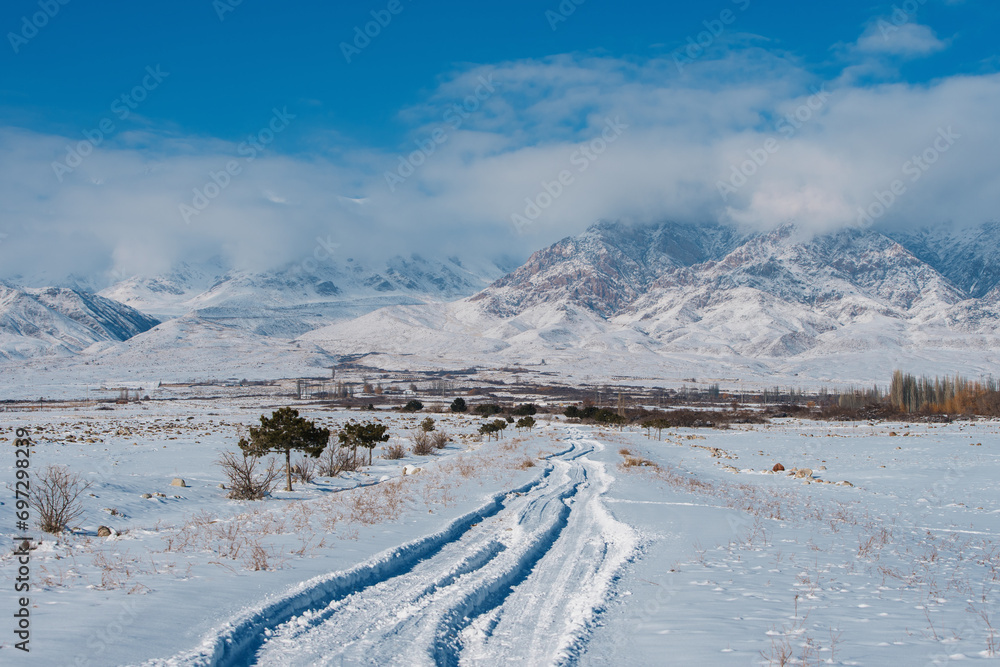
617,300
62,322
713,300
297,298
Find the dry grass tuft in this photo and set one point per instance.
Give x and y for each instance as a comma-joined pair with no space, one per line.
422,445
637,462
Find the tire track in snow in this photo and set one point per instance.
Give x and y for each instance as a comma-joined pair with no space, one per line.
521,587
412,615
235,642
547,620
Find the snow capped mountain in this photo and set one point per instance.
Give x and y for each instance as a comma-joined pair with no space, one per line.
778,294
300,297
648,301
606,267
659,298
166,295
62,321
218,320
970,258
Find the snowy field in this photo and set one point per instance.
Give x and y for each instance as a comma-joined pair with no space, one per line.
568,545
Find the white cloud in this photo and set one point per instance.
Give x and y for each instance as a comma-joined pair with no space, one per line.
907,40
832,153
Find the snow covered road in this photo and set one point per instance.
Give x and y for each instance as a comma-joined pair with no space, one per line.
519,583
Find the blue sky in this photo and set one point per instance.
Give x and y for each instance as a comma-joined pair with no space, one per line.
225,73
550,78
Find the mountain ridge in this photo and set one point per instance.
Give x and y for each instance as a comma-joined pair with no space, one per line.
654,298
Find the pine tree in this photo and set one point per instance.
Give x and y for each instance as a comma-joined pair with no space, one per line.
284,431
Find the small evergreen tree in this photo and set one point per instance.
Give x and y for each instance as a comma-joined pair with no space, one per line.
413,406
282,432
458,405
366,434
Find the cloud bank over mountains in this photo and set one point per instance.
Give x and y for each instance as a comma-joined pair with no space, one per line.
508,157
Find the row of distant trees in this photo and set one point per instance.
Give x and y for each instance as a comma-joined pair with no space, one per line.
490,409
495,428
946,395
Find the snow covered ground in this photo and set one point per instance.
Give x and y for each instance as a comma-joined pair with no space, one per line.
568,545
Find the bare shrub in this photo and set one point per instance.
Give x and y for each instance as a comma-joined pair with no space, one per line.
439,439
781,652
248,479
394,451
55,495
256,560
336,460
871,547
526,463
422,443
116,572
304,470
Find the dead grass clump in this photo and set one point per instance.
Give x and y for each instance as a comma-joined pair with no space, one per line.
463,465
869,548
638,462
422,445
257,558
378,503
526,463
439,439
394,451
